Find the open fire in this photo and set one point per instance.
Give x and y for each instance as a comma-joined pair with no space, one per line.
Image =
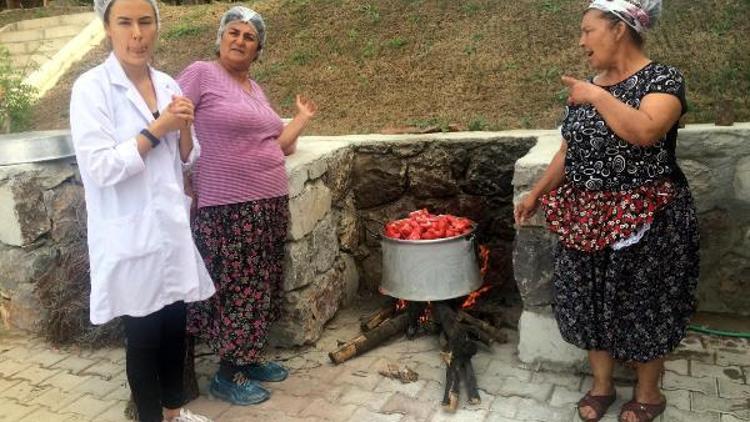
451,319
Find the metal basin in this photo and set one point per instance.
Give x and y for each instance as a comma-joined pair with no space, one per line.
33,147
430,270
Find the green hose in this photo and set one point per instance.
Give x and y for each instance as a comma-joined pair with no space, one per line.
705,330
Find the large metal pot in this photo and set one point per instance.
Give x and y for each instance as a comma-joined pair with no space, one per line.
430,270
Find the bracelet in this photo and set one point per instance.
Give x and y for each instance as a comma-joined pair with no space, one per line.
151,138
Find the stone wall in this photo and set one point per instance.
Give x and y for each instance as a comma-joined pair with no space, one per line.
716,161
41,214
343,188
341,191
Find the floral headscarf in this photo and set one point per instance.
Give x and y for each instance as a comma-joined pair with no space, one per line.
640,15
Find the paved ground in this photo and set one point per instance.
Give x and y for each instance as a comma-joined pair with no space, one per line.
706,381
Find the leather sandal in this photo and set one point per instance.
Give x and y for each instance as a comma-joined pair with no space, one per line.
599,404
643,412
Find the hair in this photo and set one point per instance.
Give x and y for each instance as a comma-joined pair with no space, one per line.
614,20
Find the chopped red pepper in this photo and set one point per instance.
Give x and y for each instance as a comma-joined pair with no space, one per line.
421,225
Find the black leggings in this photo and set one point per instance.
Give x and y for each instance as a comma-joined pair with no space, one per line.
155,358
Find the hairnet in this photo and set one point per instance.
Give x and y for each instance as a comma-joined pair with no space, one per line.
101,6
640,15
243,14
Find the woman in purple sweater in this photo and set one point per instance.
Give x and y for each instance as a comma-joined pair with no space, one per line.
241,222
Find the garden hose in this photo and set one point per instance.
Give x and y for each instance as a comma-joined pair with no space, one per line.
722,333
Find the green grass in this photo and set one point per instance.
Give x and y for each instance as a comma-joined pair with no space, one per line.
182,30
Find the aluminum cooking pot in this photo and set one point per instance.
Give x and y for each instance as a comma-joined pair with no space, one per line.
430,270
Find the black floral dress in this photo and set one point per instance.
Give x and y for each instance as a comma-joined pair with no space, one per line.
243,248
633,295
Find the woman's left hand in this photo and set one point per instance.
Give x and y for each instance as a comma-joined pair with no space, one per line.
306,107
581,92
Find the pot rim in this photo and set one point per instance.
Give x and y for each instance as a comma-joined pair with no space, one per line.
429,241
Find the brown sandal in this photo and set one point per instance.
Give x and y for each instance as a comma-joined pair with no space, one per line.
643,412
599,404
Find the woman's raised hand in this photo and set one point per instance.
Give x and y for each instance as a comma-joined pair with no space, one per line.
525,209
581,92
306,107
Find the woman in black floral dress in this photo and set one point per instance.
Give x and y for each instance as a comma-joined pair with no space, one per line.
627,261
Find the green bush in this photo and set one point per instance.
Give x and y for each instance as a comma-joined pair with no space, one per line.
16,97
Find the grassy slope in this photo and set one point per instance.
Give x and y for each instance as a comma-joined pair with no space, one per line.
484,64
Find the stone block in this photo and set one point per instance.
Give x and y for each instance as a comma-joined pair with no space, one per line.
314,254
707,404
704,184
325,244
540,341
306,310
348,229
351,279
298,271
407,405
708,141
742,180
24,266
672,381
338,178
24,310
529,410
430,174
67,211
23,215
317,168
377,179
371,273
490,171
307,209
533,265
297,178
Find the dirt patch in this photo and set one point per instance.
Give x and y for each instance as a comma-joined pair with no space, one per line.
480,64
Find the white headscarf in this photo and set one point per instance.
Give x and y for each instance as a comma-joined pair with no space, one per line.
243,14
640,15
101,6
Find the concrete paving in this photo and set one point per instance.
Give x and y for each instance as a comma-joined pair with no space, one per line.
705,380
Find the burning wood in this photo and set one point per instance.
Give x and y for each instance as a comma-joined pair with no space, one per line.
457,358
370,340
376,318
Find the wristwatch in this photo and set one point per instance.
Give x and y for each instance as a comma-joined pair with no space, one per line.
151,138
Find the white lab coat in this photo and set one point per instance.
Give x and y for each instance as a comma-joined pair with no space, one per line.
140,246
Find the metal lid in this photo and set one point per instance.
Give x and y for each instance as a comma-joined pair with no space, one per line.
34,147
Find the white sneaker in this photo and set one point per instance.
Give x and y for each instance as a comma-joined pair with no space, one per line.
188,416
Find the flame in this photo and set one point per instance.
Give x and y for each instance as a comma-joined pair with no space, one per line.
401,304
471,300
426,315
484,256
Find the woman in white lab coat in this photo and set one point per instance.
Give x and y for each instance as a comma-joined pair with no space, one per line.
131,129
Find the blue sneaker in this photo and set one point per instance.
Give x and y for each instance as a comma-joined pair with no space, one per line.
266,371
240,391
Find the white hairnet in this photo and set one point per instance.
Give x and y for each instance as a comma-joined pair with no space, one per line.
101,6
641,15
243,14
